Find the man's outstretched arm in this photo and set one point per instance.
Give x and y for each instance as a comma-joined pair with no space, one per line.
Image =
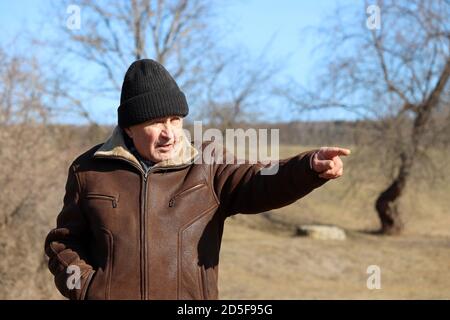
243,189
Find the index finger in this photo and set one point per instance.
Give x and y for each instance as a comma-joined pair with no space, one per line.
336,151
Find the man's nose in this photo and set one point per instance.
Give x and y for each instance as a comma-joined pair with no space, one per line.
167,132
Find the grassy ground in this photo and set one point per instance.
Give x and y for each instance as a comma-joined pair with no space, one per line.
259,265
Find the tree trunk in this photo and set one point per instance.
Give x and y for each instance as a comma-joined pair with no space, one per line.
388,201
387,208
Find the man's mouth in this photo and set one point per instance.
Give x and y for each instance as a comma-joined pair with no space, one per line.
165,147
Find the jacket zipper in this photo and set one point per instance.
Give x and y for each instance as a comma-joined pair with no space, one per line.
172,200
143,234
103,197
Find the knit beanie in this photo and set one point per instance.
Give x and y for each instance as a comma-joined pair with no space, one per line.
149,92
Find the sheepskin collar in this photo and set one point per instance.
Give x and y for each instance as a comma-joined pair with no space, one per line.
115,147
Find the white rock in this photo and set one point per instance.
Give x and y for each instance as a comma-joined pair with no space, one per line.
321,232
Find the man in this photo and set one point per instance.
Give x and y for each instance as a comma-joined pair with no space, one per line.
141,220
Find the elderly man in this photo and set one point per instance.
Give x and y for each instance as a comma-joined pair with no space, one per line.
142,219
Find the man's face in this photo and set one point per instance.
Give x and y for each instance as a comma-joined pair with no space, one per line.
157,139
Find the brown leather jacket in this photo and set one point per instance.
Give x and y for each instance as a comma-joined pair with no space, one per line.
158,235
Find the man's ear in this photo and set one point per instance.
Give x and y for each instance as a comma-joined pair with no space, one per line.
129,133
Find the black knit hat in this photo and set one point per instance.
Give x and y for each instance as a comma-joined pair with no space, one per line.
149,92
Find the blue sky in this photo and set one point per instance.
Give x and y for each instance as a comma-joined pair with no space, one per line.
255,23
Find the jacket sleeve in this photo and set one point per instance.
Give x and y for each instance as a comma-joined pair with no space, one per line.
242,188
65,245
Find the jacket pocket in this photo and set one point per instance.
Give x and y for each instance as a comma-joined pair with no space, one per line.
109,263
185,192
114,200
99,287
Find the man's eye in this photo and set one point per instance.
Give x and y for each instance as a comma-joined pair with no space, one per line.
176,119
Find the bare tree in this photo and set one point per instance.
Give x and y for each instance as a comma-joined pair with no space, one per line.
176,33
181,35
29,164
22,114
395,74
